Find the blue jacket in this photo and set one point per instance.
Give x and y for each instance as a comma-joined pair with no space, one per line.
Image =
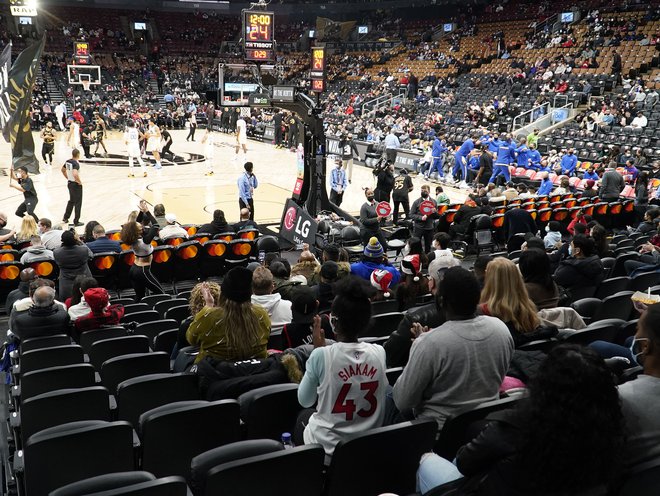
568,164
493,145
473,163
534,156
465,149
522,154
545,188
438,148
364,269
505,153
591,175
104,245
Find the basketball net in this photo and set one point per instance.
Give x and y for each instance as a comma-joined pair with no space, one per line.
86,84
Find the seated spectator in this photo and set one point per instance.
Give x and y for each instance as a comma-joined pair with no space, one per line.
438,382
284,284
245,221
196,303
28,229
564,186
412,285
517,223
36,251
348,369
278,309
639,398
566,439
101,313
381,280
462,218
331,252
5,234
22,291
45,317
416,320
534,265
217,225
372,259
589,190
101,243
323,291
172,229
441,251
306,266
582,269
51,238
552,239
304,308
77,306
235,329
601,241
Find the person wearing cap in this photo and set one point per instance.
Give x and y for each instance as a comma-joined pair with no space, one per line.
372,259
140,272
304,308
235,328
172,229
279,310
589,191
370,220
423,221
381,279
348,151
101,313
413,284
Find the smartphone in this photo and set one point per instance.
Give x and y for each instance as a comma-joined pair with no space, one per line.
262,256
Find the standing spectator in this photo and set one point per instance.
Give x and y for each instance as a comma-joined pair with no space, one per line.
370,220
140,272
384,183
348,151
612,184
72,258
423,222
247,183
391,144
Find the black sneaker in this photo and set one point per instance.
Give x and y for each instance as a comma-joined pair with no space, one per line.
78,224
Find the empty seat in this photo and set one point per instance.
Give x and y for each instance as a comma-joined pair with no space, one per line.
44,342
87,339
603,330
173,434
126,484
641,282
152,329
258,405
118,369
382,325
71,452
53,378
109,348
140,317
151,300
178,313
163,306
587,308
135,308
617,306
611,286
43,358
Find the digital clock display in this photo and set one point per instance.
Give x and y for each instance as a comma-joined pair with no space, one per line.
318,85
317,70
259,36
81,48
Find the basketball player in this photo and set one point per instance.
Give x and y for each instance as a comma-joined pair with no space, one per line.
73,140
153,142
100,133
48,147
132,139
241,138
209,140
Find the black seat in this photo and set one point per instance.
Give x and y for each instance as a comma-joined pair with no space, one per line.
87,339
258,405
43,358
173,434
641,282
603,330
382,325
642,483
305,461
384,306
163,306
140,394
152,329
126,484
458,430
587,308
46,380
44,342
140,317
617,306
71,452
394,454
109,348
178,313
213,258
151,300
166,341
135,308
611,286
61,406
104,268
119,369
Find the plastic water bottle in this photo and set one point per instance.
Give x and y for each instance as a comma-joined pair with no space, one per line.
286,440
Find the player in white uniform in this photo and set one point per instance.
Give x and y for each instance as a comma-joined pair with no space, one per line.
241,138
153,142
348,377
209,141
132,138
73,140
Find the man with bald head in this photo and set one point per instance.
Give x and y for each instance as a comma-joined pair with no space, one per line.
23,290
45,318
245,221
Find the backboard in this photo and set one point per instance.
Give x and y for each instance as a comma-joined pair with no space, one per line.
77,74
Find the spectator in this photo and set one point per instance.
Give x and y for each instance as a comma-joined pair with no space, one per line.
22,291
284,284
437,382
279,310
71,258
552,239
583,269
381,280
463,216
566,439
235,329
217,225
245,221
372,259
611,184
76,304
306,266
323,291
101,312
140,272
412,285
44,318
304,308
101,243
196,304
534,265
331,253
517,223
347,369
172,229
441,251
51,238
36,251
589,191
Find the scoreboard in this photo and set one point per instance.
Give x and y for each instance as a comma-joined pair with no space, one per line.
317,70
259,36
81,55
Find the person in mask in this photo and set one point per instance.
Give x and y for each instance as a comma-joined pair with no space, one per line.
582,269
5,233
370,220
423,222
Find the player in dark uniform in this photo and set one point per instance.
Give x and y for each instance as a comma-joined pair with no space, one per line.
25,185
48,147
99,134
166,141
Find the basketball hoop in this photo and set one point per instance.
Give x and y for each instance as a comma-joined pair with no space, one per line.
86,84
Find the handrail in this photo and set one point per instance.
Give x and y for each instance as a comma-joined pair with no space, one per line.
520,120
379,101
543,24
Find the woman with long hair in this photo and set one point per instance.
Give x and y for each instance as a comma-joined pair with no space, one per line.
412,284
599,234
140,272
235,329
535,268
89,231
505,296
27,230
567,437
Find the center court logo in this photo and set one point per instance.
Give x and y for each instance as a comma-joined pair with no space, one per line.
290,218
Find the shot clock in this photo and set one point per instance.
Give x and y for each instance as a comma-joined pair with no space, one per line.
259,36
317,70
81,55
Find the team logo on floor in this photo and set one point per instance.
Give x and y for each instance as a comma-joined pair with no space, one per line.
115,160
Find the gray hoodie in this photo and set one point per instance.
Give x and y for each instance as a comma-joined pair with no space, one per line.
279,310
36,253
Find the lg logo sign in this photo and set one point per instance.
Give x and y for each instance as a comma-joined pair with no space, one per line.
302,226
290,218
